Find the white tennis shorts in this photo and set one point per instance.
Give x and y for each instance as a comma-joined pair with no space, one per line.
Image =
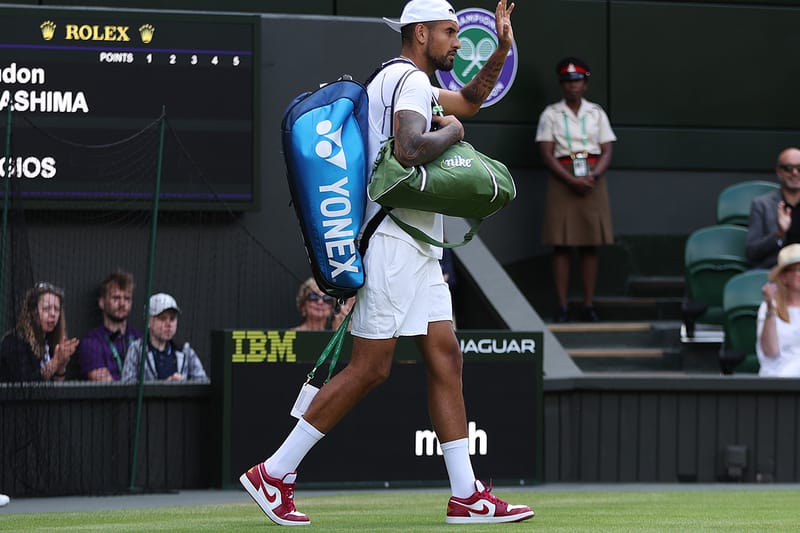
404,290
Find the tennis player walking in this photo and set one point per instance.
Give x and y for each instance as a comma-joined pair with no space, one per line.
405,293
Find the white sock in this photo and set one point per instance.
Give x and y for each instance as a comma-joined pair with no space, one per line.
459,467
299,442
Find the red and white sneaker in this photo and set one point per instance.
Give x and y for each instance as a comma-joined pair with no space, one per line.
274,496
484,508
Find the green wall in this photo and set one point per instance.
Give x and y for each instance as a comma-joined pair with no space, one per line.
700,94
687,85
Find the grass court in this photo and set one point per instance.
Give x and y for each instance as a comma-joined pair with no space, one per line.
725,509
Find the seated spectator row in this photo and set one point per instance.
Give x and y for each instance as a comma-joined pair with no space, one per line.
762,319
729,281
39,349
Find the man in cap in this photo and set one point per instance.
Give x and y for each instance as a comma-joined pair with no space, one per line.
774,216
164,361
405,293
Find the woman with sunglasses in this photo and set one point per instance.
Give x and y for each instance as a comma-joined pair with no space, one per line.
38,349
778,339
315,307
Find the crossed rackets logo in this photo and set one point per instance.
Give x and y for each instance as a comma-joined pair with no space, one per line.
477,45
478,42
330,147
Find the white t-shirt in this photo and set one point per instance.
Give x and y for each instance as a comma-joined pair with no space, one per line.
787,363
415,95
584,132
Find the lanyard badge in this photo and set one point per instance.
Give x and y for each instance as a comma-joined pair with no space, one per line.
580,160
580,164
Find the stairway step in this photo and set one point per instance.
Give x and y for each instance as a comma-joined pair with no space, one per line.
609,335
615,352
667,286
626,359
627,308
625,346
584,327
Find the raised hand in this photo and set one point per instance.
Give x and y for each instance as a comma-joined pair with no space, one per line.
768,291
784,218
502,19
65,349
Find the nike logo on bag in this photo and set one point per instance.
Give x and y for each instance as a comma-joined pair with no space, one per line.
484,509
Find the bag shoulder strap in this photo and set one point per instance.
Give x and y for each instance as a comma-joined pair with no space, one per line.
386,211
376,220
385,64
408,228
420,235
333,349
397,87
369,230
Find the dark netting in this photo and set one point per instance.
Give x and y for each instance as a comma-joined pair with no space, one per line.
221,275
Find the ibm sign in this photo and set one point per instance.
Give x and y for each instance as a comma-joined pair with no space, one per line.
387,439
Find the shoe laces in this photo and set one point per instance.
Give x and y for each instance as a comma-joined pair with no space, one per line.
487,493
288,495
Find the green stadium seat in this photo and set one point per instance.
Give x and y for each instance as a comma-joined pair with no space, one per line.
740,301
712,256
733,203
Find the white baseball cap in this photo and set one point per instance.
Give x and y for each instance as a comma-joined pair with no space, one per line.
161,302
423,11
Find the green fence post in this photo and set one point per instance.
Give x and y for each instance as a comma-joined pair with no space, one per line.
151,260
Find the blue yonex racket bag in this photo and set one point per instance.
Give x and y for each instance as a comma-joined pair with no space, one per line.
324,135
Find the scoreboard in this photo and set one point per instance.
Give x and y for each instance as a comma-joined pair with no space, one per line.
95,76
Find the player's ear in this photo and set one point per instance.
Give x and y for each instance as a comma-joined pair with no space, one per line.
421,32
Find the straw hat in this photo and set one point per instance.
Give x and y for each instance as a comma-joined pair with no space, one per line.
788,255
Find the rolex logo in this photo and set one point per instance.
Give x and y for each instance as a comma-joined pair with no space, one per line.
48,28
146,32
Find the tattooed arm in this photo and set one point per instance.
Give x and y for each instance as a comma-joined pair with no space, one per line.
468,100
413,145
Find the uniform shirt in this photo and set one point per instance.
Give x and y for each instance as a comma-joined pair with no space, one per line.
787,362
551,128
415,95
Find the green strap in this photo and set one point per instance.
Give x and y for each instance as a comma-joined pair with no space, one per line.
334,346
424,237
583,131
411,230
114,351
